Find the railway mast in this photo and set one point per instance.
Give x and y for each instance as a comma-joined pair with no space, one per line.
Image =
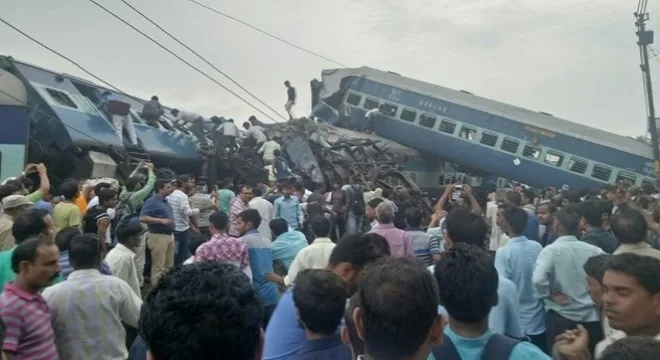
644,39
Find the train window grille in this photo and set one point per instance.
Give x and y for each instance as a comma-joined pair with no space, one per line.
488,139
370,103
626,175
554,158
61,98
408,115
353,99
531,152
601,172
427,121
577,165
467,133
510,145
390,109
648,181
447,126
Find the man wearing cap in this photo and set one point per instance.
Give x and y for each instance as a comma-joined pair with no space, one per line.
13,205
122,257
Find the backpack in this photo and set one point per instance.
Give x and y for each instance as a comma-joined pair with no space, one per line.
357,200
499,347
124,212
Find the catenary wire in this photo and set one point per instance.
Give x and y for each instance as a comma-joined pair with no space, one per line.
202,58
267,33
183,60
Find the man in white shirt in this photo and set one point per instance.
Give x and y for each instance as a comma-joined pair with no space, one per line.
195,120
229,132
265,209
267,151
110,211
89,310
122,257
370,116
317,254
254,135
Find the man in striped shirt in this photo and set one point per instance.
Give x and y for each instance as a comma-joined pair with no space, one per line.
24,311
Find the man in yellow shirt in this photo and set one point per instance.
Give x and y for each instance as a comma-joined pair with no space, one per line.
68,213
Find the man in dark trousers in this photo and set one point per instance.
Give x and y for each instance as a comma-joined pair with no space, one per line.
291,98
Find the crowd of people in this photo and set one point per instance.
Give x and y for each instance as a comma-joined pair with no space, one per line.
168,270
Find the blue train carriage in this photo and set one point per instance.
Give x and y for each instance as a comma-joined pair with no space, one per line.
481,134
74,138
14,124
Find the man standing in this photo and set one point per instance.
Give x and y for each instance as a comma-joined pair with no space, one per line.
120,113
24,311
152,110
158,215
195,120
89,309
223,248
265,209
238,205
229,132
13,206
122,258
288,208
291,99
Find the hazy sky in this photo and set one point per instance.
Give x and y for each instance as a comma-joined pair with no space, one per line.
576,59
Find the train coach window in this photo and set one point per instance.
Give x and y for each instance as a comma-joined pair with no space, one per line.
531,152
390,109
370,104
488,139
648,181
626,175
427,120
601,172
467,132
577,165
510,145
447,126
408,115
554,158
353,99
61,98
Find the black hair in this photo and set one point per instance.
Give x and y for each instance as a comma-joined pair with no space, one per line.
16,182
29,224
552,208
27,251
195,242
356,343
632,348
528,194
464,226
100,186
252,216
174,112
398,306
219,219
386,193
467,283
183,178
320,226
278,226
277,152
629,225
595,266
573,197
644,269
85,251
160,184
591,212
8,189
200,311
569,220
605,206
359,250
373,203
256,191
28,184
246,125
414,217
132,183
127,230
320,297
106,195
227,181
154,98
64,236
514,198
69,189
516,218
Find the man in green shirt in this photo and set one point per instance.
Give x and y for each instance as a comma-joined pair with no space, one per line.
35,222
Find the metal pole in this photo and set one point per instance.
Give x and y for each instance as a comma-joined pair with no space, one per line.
645,38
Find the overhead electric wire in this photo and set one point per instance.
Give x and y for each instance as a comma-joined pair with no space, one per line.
202,58
60,55
182,60
267,33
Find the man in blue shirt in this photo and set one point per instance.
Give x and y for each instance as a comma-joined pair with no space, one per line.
288,208
159,217
515,261
284,337
531,230
320,298
467,284
261,259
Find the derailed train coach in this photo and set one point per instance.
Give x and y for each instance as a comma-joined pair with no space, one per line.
478,135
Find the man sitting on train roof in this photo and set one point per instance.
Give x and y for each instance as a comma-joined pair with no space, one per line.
152,110
195,120
119,111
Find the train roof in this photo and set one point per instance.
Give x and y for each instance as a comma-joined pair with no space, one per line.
525,116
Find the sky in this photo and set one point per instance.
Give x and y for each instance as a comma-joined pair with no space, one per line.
575,59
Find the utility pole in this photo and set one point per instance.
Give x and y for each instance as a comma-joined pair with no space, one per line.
644,39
